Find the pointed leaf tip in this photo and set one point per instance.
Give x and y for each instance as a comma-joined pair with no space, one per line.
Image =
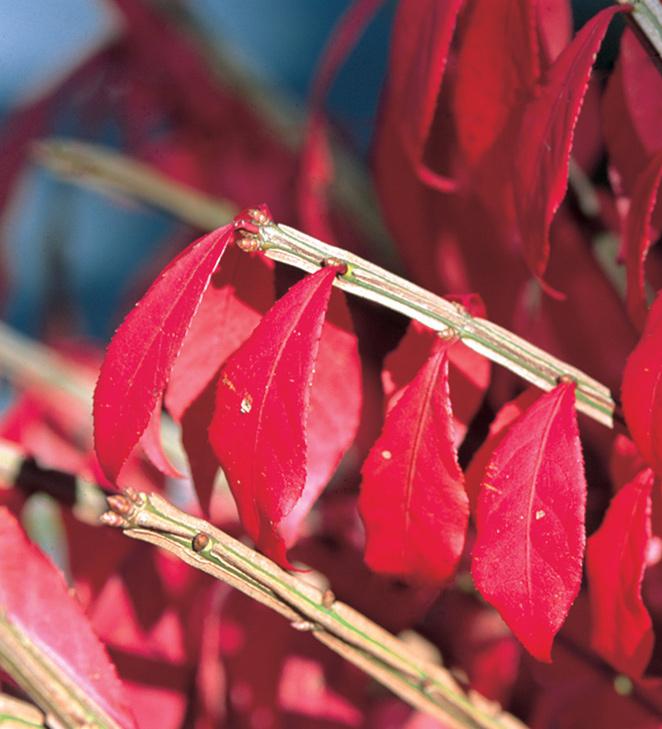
413,502
259,426
143,350
542,154
527,558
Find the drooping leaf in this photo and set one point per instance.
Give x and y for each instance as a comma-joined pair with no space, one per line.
231,307
142,352
497,65
622,631
413,502
527,559
642,389
335,409
259,427
637,237
423,30
36,605
540,166
475,473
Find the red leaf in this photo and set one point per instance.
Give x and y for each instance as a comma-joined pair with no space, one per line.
497,64
35,600
421,41
527,559
625,462
143,629
259,427
632,109
279,678
642,390
554,27
622,630
153,447
335,409
637,236
141,354
545,138
231,307
468,373
508,413
413,502
195,440
33,425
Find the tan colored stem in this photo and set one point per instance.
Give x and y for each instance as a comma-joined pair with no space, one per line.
94,166
423,684
17,714
368,281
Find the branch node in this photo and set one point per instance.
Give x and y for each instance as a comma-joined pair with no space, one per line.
200,542
304,626
328,598
112,519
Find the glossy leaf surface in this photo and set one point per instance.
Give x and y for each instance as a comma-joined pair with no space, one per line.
545,138
142,352
412,502
527,559
642,389
622,631
259,427
35,601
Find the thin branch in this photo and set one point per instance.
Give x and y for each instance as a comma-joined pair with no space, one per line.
17,714
93,166
425,685
368,281
364,279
